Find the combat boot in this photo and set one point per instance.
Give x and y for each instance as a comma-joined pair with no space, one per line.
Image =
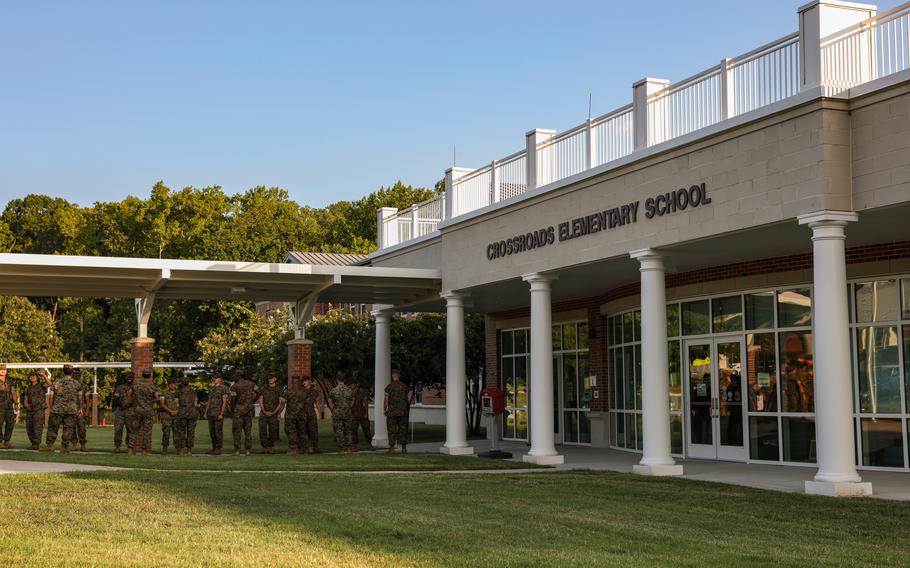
248,452
48,448
116,449
216,452
64,450
164,450
404,448
82,448
236,452
131,451
34,447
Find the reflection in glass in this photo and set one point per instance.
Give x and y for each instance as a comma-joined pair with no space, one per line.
583,336
760,310
521,424
673,320
571,426
763,443
613,440
584,381
557,338
507,343
638,377
883,442
619,378
761,364
907,364
569,381
636,320
676,435
639,432
569,338
727,314
700,394
876,301
521,341
621,430
730,386
617,330
695,317
797,372
794,308
584,428
799,439
879,371
628,358
905,298
675,376
627,331
521,381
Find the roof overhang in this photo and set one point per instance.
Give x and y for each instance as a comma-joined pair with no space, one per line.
113,277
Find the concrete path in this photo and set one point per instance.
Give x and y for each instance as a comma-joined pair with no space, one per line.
18,466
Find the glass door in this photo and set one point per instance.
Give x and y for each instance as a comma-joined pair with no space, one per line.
715,402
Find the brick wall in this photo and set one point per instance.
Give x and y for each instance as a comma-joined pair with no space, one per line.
142,355
300,355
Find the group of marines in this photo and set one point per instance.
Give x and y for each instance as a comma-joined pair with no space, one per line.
134,406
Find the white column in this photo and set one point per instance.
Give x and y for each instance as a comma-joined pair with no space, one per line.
540,391
655,384
533,139
386,227
382,374
456,420
647,127
451,208
817,20
834,425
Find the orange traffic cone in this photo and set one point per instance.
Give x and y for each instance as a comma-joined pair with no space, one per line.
103,422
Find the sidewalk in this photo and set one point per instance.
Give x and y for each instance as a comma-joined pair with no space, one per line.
17,466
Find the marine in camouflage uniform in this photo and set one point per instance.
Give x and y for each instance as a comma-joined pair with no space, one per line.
66,404
167,410
294,424
185,423
143,413
219,395
244,393
122,402
81,418
270,407
35,400
9,402
396,411
360,415
311,416
341,398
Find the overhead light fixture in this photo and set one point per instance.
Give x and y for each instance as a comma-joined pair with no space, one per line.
238,290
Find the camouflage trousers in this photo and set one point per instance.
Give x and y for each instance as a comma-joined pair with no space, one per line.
398,430
184,433
343,434
142,430
242,425
362,423
119,424
295,428
268,431
167,426
216,432
34,426
311,427
7,421
68,421
80,429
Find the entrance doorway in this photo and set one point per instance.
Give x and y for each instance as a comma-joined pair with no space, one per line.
715,417
571,398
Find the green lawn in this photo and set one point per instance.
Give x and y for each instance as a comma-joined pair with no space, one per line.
134,518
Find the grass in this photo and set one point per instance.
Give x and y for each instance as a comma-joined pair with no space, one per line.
132,518
100,440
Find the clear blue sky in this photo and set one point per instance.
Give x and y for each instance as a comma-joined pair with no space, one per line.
329,100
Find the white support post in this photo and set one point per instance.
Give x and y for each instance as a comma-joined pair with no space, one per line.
648,128
817,20
382,374
727,92
494,183
143,314
590,145
456,390
834,425
386,227
415,219
533,139
655,384
540,392
451,197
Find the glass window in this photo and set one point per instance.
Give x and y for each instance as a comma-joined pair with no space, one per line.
628,356
521,341
879,372
763,443
584,380
636,320
557,338
618,378
621,430
675,375
676,435
639,430
521,424
794,308
638,377
907,364
584,425
617,330
905,298
508,380
673,320
695,317
521,381
613,441
627,332
583,335
569,338
876,301
610,338
727,314
507,343
799,439
797,372
883,442
571,424
761,369
570,380
760,310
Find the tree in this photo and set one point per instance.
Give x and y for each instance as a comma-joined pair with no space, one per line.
43,225
27,333
254,347
6,237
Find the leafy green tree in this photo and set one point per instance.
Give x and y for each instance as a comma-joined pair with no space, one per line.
43,225
255,347
6,237
27,333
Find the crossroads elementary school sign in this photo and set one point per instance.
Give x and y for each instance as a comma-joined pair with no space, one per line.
657,206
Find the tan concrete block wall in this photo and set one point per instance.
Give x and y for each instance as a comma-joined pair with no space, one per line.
423,255
880,128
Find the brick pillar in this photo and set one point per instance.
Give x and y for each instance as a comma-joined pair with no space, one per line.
143,354
300,357
597,357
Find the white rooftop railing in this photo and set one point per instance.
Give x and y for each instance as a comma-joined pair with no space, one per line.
813,57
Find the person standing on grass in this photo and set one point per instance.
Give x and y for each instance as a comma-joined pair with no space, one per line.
340,400
270,407
294,422
311,412
126,402
360,414
145,396
396,412
66,405
9,406
80,420
167,410
244,394
185,423
217,403
35,401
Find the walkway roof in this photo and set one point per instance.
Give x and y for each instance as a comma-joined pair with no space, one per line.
111,277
